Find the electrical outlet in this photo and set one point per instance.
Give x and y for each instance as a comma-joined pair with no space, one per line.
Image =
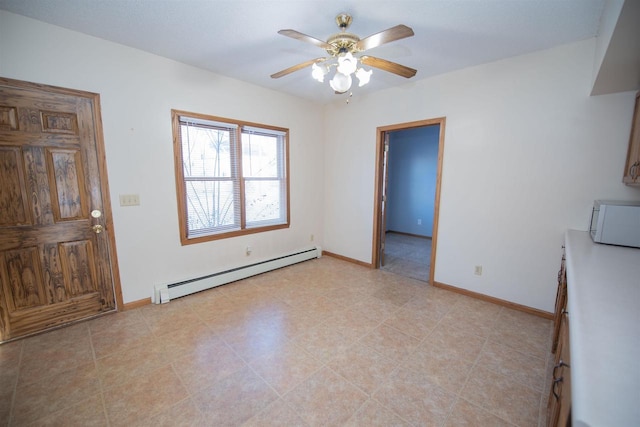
477,270
419,222
311,238
248,250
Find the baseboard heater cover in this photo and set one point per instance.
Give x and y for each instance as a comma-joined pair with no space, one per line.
165,293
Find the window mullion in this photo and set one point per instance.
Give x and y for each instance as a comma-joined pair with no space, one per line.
240,177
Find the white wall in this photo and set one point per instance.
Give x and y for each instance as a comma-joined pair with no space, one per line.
526,153
138,91
411,186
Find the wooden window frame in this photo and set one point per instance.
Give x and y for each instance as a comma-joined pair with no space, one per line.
181,193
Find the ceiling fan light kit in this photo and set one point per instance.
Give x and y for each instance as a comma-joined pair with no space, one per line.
342,48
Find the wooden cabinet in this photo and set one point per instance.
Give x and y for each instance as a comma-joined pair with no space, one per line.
561,302
559,403
632,166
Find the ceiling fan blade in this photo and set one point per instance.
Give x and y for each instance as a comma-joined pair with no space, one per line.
297,67
391,34
389,66
305,38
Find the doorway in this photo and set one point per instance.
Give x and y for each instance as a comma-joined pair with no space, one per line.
410,247
58,261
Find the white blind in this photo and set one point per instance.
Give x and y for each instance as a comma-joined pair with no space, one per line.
211,181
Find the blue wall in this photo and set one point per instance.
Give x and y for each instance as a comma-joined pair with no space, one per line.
413,166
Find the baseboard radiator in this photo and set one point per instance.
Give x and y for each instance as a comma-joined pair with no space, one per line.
165,293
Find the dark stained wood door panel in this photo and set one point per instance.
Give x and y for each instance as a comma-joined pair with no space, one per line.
54,268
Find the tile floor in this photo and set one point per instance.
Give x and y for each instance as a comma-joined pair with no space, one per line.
321,343
407,255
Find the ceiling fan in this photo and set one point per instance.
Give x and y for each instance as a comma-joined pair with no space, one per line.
341,48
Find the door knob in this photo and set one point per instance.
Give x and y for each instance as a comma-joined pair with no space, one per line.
97,228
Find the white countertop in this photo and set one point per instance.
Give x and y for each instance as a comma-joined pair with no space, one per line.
603,301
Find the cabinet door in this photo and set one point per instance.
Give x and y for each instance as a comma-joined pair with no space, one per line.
564,418
561,303
632,166
559,405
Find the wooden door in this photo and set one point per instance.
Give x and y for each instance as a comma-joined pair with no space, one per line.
385,197
57,260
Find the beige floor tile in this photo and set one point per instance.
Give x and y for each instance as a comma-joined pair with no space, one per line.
351,324
255,338
375,308
235,399
466,414
150,311
182,414
454,341
8,381
414,397
113,341
206,298
529,370
442,368
344,295
502,396
172,322
55,392
415,323
390,342
474,316
9,369
524,332
299,295
294,322
365,283
322,342
244,290
143,397
229,318
395,294
372,414
320,307
10,353
195,339
55,352
277,414
203,368
214,306
363,367
286,368
437,302
116,321
532,324
87,413
325,399
120,367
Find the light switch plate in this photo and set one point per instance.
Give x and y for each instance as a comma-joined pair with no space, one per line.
129,200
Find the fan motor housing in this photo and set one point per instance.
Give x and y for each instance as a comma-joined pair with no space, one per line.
342,41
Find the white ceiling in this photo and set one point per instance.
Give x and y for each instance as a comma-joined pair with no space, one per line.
238,38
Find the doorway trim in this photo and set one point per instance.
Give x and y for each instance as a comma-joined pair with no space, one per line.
381,173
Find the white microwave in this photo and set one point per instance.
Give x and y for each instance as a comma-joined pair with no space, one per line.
616,223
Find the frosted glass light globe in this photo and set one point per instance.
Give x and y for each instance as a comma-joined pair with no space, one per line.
363,76
340,83
347,64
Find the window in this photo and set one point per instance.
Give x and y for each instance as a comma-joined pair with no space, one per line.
231,177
